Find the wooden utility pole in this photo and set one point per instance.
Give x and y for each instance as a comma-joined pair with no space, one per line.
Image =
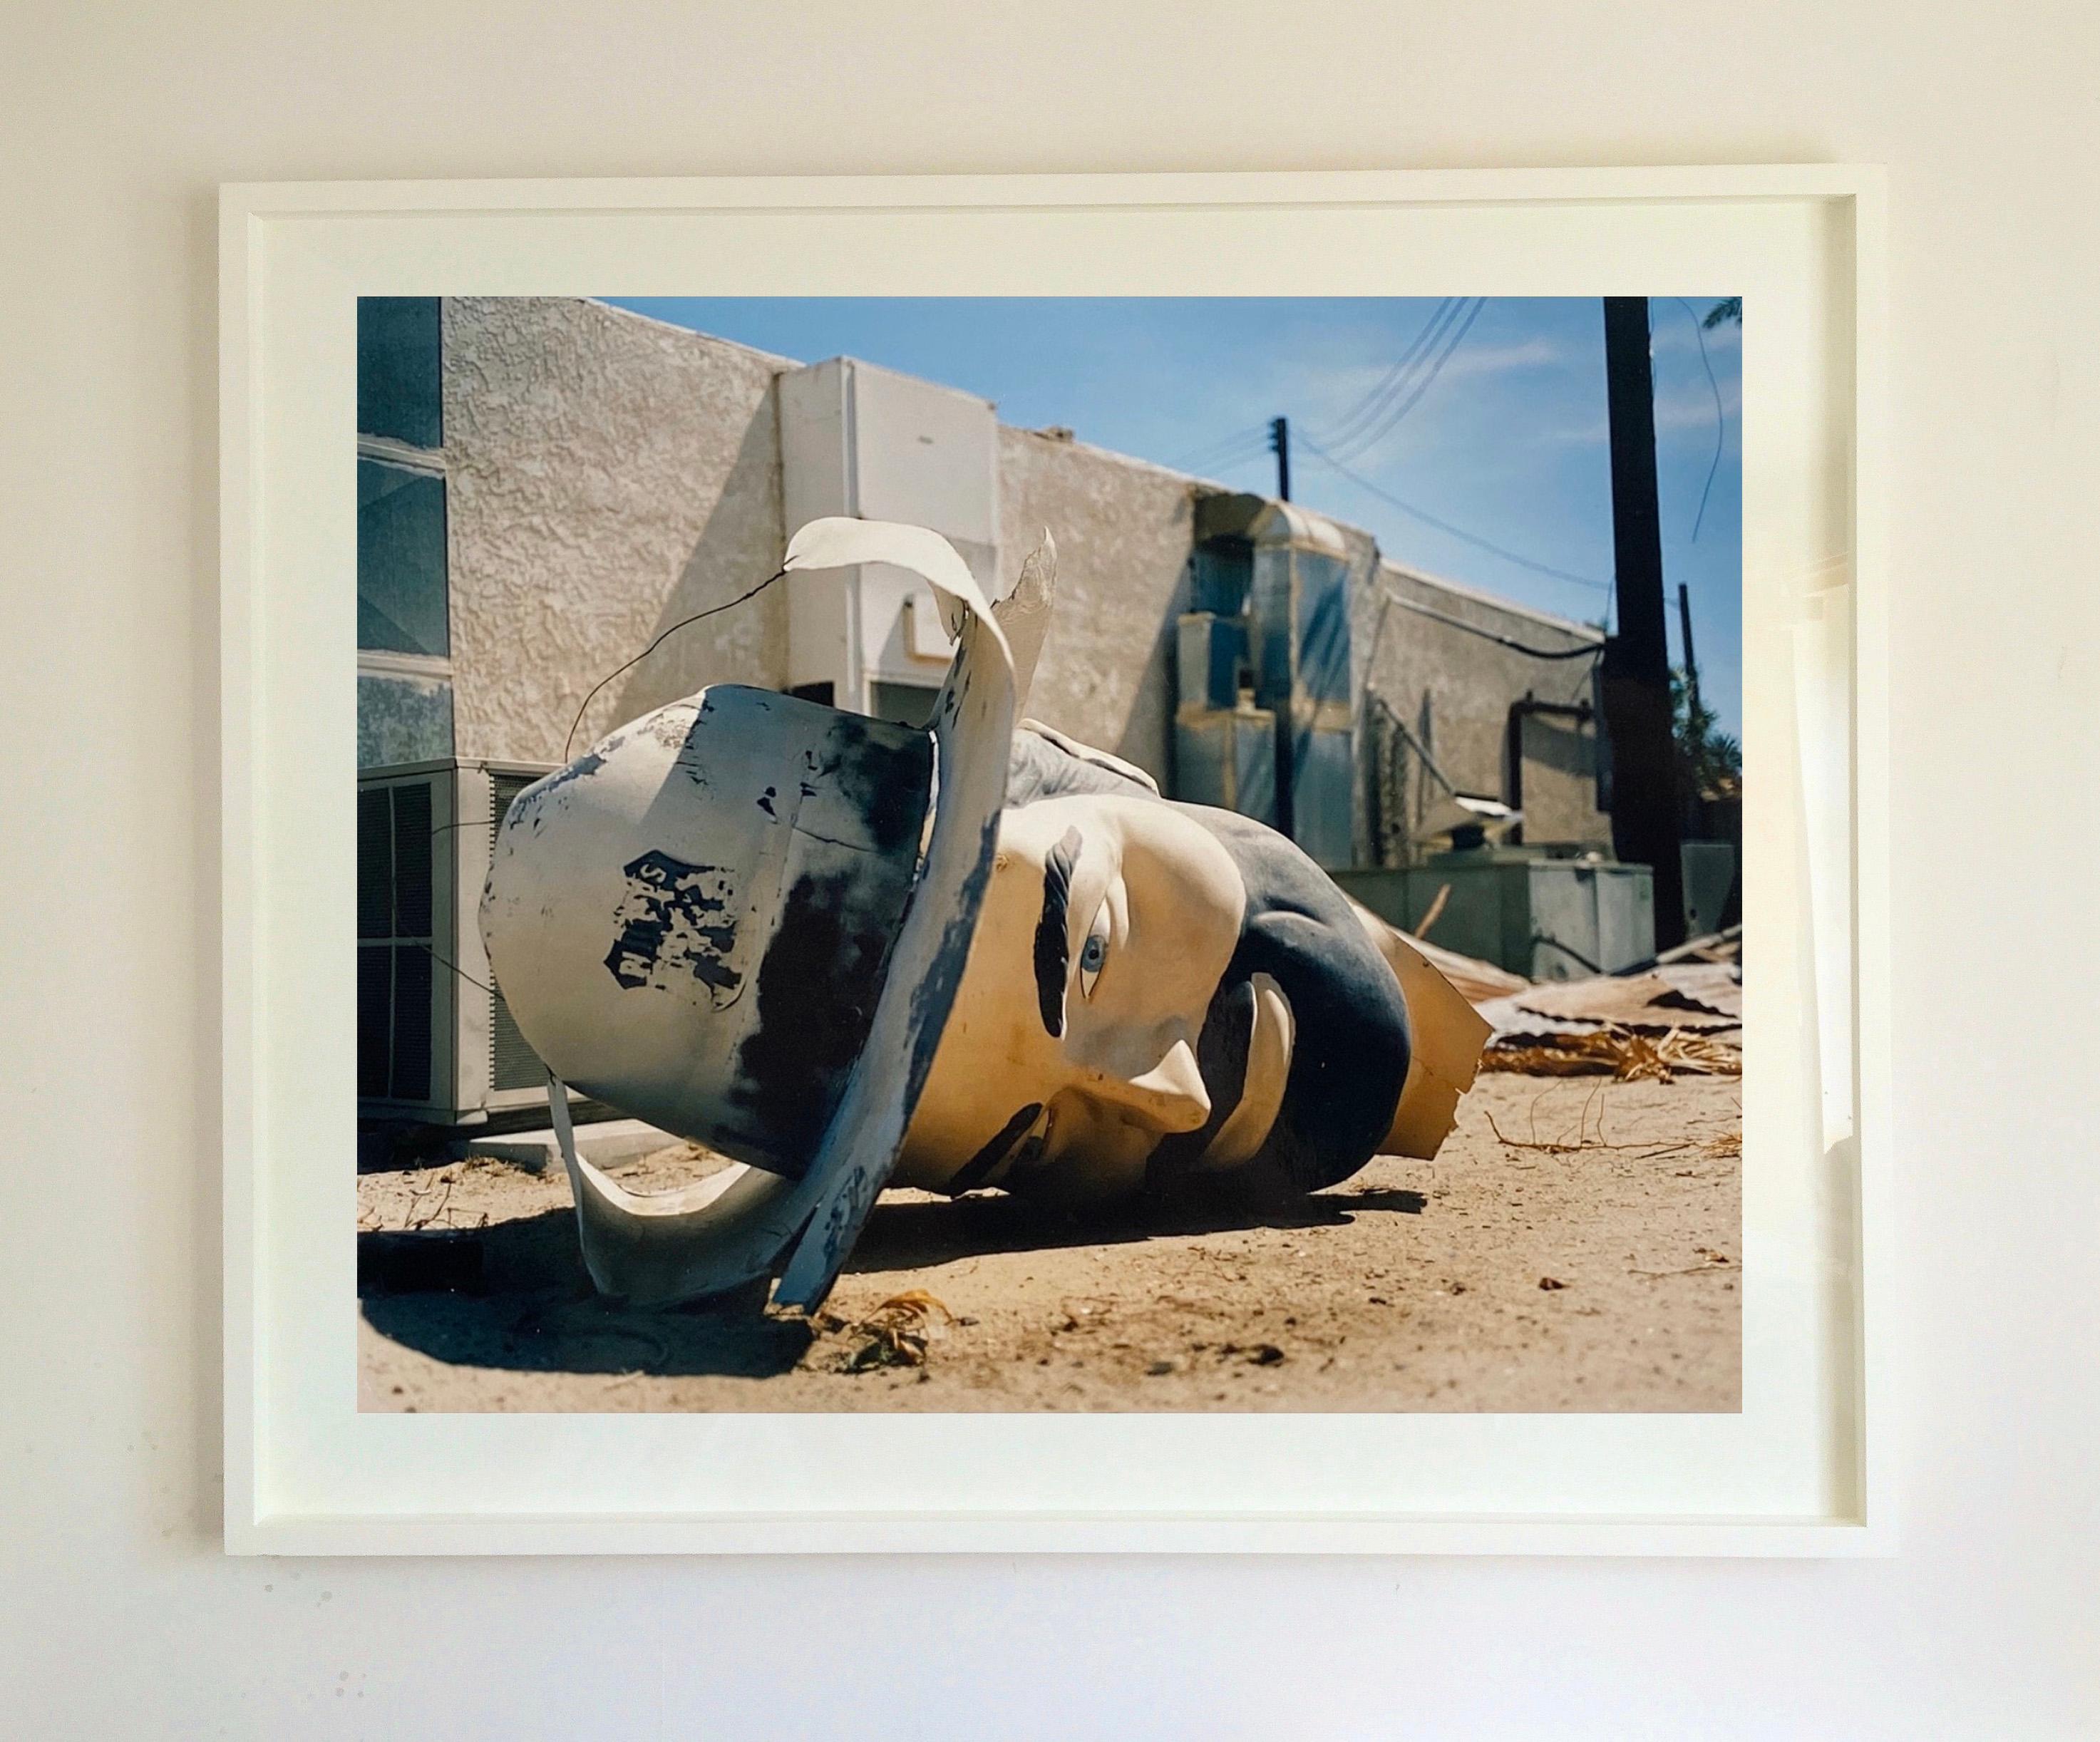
1279,444
1646,821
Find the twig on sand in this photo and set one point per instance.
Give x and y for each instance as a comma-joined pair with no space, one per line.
1713,1261
1581,1144
444,1198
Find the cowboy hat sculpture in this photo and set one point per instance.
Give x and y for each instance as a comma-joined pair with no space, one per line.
847,954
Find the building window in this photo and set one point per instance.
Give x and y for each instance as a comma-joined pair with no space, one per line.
404,673
402,716
402,606
400,380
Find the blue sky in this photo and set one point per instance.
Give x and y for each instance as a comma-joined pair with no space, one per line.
1506,442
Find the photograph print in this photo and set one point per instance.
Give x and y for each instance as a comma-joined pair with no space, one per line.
1084,854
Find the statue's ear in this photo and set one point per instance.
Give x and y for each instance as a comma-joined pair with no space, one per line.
1025,613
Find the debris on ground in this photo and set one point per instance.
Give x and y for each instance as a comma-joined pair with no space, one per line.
897,1333
503,1317
1619,1053
1680,1013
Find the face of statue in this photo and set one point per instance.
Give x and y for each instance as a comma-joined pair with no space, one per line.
1157,989
1072,1049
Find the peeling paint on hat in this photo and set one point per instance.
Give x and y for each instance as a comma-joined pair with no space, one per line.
732,918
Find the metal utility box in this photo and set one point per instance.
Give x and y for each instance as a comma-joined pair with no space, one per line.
1709,878
432,1046
859,440
1211,662
1542,916
1228,759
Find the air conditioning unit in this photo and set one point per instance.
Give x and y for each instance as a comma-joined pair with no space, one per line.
433,1046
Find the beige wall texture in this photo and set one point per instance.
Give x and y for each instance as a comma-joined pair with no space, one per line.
1124,531
1453,691
606,476
118,1614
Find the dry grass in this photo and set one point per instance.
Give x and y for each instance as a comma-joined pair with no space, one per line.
1620,1054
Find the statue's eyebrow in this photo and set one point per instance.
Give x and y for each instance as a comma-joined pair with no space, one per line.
1051,929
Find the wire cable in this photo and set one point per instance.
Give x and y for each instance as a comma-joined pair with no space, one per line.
711,610
1720,416
1213,452
1227,462
1587,651
1372,405
1427,519
1364,443
454,966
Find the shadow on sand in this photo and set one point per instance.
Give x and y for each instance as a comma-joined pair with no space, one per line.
515,1295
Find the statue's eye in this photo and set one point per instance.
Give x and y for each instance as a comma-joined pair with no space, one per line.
1094,952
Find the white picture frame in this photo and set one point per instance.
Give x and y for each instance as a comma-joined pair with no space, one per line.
1803,1469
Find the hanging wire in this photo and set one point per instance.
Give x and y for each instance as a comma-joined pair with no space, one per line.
711,611
1444,525
1224,450
454,966
1720,416
1393,419
1587,651
1372,405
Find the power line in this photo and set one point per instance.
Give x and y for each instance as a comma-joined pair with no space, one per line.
1392,419
1224,448
1224,454
1227,462
1720,416
1368,408
1246,444
1427,519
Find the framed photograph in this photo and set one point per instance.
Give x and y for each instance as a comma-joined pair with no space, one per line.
1187,863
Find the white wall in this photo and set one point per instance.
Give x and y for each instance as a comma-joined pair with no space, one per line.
117,1615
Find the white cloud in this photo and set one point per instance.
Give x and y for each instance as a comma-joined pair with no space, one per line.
1690,405
1685,406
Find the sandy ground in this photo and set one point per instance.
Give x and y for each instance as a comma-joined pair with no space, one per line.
1586,1259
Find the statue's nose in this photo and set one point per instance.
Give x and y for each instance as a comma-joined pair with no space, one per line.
1168,1096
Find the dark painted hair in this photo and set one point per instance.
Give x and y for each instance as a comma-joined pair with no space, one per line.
1353,1045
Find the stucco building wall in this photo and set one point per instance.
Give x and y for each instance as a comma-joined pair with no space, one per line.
1124,529
607,474
1454,689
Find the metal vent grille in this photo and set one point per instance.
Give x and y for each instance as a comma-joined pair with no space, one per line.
395,876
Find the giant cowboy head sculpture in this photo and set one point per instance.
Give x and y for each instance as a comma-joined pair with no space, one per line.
847,954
